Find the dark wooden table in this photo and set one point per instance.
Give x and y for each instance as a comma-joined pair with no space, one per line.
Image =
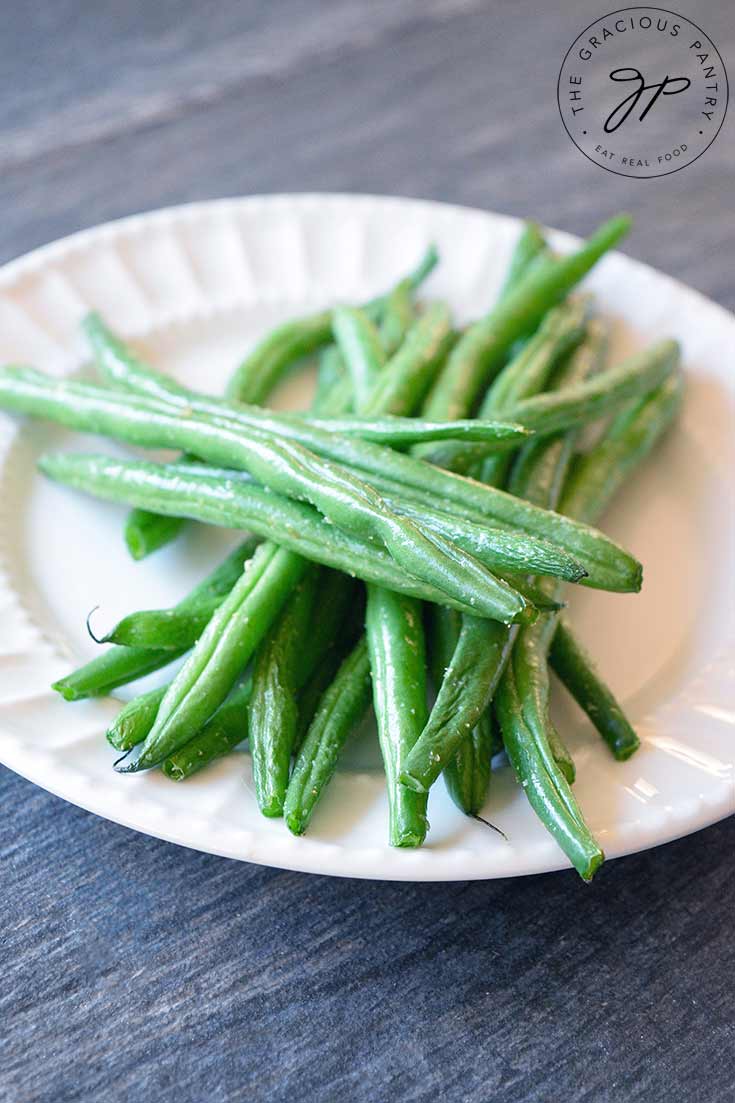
135,970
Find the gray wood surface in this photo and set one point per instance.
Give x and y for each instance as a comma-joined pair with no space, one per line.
135,970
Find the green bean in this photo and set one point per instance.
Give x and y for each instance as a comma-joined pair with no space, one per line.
596,476
234,503
395,640
398,317
272,714
330,376
316,686
135,720
145,533
481,351
466,690
180,626
396,432
530,246
220,735
560,333
608,566
575,668
342,497
604,394
389,469
113,668
340,710
479,659
539,475
401,386
499,549
258,373
252,382
359,342
544,784
221,653
467,774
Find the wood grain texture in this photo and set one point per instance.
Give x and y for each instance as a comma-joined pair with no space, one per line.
136,970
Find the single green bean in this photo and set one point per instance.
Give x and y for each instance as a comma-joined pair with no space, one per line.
181,625
395,640
575,668
145,533
113,668
359,342
220,735
467,774
221,653
272,713
530,246
481,351
135,720
340,710
544,783
466,690
398,317
330,377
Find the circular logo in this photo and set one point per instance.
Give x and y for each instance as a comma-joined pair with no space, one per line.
642,92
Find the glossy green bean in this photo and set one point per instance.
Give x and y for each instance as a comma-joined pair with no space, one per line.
395,640
481,351
359,342
181,625
340,710
234,503
398,317
115,667
576,670
135,720
530,246
145,533
467,774
272,713
466,690
341,497
544,783
220,735
221,653
330,376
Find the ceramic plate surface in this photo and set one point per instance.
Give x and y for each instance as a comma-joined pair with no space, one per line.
195,287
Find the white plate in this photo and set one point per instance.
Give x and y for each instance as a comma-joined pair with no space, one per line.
196,286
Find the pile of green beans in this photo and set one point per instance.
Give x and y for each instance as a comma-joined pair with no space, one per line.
423,516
